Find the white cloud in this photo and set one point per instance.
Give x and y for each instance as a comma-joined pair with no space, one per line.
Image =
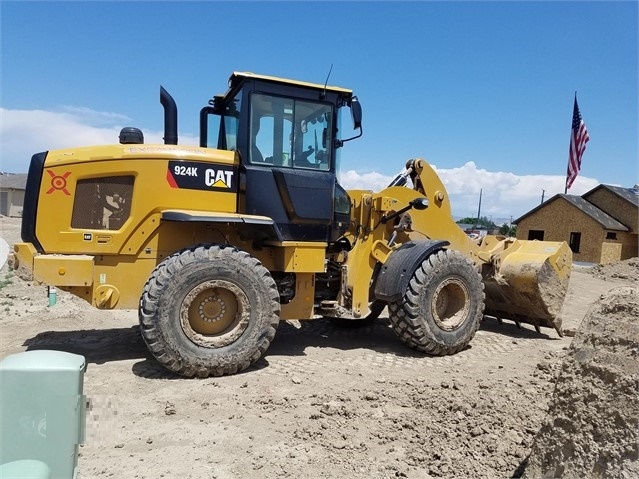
25,132
504,194
96,117
352,180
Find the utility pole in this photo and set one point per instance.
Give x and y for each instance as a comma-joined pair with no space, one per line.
478,210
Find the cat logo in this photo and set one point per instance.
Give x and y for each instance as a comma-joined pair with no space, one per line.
195,175
219,178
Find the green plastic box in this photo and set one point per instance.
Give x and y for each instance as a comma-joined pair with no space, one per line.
42,409
25,469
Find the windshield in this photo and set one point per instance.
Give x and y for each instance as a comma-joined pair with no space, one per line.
290,133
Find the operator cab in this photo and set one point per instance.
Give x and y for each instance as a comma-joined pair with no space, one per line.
285,132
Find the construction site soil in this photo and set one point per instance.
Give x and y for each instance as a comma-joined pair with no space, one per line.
335,402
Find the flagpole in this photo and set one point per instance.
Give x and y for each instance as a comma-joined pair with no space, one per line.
567,173
578,139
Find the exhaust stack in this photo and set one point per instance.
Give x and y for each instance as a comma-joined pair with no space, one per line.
170,117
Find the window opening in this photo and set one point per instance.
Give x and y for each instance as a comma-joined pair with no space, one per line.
536,235
574,243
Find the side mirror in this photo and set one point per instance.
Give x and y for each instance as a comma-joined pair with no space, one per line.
356,113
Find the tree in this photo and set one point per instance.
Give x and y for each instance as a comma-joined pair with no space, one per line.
508,230
483,222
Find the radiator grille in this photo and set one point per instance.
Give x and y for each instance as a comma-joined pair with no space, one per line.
102,203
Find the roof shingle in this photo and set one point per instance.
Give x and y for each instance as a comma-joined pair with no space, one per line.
604,219
13,181
631,195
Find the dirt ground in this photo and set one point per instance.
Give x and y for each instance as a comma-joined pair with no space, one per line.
325,401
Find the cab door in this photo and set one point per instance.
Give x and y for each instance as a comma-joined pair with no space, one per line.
288,175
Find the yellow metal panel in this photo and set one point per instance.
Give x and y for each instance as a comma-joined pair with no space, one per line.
385,203
380,251
22,261
299,256
141,234
152,193
316,86
63,270
118,282
170,152
301,307
220,214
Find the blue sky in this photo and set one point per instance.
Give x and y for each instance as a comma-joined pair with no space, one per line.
482,90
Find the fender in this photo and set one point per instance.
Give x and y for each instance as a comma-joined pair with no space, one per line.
260,226
395,274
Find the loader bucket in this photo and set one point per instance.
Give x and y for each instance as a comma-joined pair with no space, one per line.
527,281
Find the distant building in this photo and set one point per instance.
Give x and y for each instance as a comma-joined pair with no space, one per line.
474,231
12,187
601,226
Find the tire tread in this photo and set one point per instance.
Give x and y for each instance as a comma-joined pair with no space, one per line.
421,333
149,311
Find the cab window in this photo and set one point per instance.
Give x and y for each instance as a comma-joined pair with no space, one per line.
290,133
222,127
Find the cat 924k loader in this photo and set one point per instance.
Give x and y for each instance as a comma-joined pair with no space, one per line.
215,244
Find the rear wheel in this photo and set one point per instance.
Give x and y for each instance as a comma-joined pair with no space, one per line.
442,306
209,310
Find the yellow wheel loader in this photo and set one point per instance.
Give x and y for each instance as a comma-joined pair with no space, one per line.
215,244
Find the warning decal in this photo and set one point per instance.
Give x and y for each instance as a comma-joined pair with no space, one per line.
194,175
58,182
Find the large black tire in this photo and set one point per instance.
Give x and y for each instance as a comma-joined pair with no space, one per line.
209,310
442,306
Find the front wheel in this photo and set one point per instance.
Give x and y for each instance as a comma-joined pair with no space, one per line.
209,310
442,306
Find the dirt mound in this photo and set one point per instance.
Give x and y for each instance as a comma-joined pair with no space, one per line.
592,429
627,270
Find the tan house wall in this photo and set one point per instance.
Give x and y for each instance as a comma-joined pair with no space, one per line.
558,219
14,201
624,247
617,207
629,245
610,252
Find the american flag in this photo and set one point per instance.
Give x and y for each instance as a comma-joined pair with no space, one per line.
578,139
